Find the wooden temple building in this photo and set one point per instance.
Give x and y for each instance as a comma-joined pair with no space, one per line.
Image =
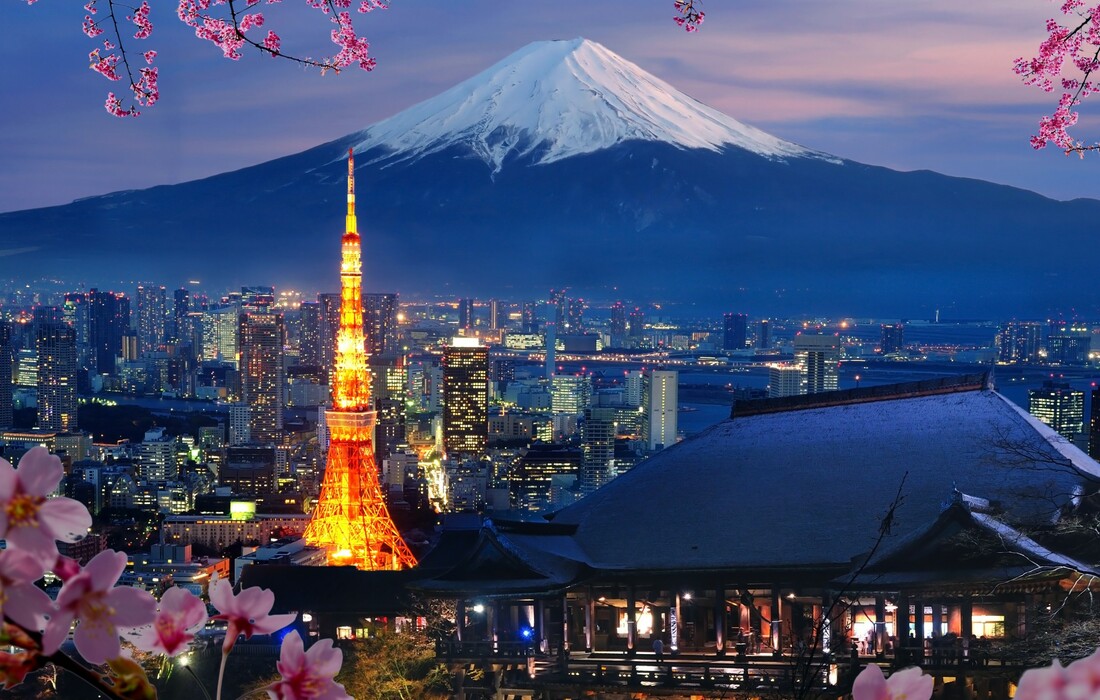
778,552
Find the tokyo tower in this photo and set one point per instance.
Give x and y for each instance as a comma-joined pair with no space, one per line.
351,521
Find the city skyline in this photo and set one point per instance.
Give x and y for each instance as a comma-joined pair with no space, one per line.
915,88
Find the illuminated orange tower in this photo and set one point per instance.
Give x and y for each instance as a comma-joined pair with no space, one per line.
351,521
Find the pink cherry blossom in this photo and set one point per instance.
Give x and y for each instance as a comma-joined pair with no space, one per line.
20,600
181,615
248,612
1042,683
307,675
29,519
909,684
1083,678
99,608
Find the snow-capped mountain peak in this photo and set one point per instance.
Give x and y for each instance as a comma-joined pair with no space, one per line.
557,99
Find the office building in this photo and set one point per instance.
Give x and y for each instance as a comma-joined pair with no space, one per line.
763,334
893,338
734,331
310,351
221,334
7,375
1068,344
818,356
465,314
55,344
659,408
618,323
152,317
330,326
1060,406
530,318
494,315
1019,342
380,325
108,321
530,478
784,380
597,448
636,323
465,397
557,310
575,319
178,326
570,393
262,373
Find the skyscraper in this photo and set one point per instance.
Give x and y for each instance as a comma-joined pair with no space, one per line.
660,403
494,315
56,346
734,331
784,380
152,317
763,334
1068,344
465,397
262,373
330,326
530,319
893,338
181,306
108,320
380,324
1060,406
310,350
7,381
637,323
570,393
818,356
576,315
557,303
1019,342
597,448
351,521
465,313
618,323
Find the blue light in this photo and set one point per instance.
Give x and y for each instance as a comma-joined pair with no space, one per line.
526,632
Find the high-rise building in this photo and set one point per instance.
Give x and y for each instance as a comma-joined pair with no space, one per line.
1060,406
177,323
465,314
221,334
330,326
1019,342
465,397
660,406
7,375
818,356
380,324
1094,424
734,331
309,334
152,317
56,347
530,320
557,303
529,479
108,321
494,315
784,380
637,323
575,321
570,393
257,297
351,521
597,448
1068,344
763,334
618,323
893,338
262,374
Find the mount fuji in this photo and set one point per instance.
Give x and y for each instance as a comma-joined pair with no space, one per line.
567,165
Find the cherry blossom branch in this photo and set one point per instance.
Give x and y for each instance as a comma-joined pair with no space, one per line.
690,15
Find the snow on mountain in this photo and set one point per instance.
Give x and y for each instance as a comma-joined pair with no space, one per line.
557,99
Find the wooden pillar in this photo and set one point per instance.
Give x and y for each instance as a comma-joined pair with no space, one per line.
721,622
589,621
539,631
460,618
918,629
564,623
494,624
674,625
966,623
777,621
937,620
631,620
880,626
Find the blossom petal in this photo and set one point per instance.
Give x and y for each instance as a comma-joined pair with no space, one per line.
273,623
105,568
56,631
28,605
292,655
20,566
39,472
221,595
324,658
97,641
911,684
33,540
870,684
1042,682
133,607
65,519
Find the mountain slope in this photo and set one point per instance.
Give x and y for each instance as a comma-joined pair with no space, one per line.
765,226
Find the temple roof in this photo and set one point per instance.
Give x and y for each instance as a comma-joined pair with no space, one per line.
808,483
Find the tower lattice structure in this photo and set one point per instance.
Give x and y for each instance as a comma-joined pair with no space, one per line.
351,521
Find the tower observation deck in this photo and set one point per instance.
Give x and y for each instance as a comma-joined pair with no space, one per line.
351,521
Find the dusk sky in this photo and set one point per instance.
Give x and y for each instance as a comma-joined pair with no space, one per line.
910,86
